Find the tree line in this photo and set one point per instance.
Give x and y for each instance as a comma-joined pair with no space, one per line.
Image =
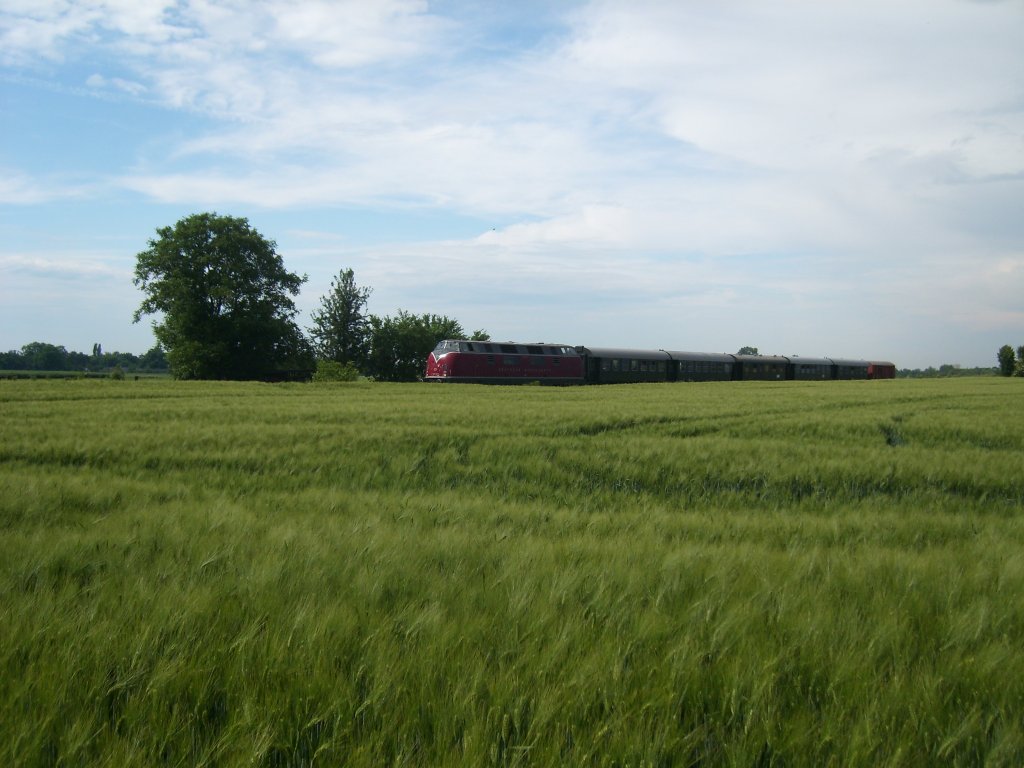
41,356
224,308
944,371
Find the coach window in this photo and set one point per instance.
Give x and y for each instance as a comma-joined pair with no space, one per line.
634,366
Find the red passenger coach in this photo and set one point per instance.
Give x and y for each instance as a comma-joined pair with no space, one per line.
488,362
881,370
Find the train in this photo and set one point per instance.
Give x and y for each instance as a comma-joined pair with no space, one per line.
490,362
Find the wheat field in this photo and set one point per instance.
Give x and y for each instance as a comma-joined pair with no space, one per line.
743,574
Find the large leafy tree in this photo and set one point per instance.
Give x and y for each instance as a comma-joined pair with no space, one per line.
224,299
40,356
399,345
1006,361
340,330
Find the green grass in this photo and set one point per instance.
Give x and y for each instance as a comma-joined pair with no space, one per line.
366,574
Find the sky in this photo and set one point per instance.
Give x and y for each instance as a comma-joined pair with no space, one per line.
841,178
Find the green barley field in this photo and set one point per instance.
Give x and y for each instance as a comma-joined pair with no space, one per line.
738,574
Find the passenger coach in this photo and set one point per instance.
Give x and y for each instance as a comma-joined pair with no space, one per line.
881,370
810,368
607,365
701,366
761,368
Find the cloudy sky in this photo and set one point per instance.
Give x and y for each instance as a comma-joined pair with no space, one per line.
840,178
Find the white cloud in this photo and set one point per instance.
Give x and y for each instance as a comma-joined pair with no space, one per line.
69,267
130,87
803,84
19,188
355,33
44,28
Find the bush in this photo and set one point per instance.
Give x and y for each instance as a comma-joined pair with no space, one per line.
117,373
330,370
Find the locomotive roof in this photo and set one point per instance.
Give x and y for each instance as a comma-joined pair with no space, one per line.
520,343
522,347
850,363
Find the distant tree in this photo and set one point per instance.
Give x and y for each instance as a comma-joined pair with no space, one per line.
748,351
480,335
1018,368
39,356
11,361
79,361
1006,361
340,327
224,300
154,359
399,345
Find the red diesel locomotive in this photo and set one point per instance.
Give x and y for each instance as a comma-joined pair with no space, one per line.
489,362
486,362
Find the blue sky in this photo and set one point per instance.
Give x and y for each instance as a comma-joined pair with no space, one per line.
842,178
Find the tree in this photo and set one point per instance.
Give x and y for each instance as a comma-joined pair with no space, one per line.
40,356
224,297
340,329
748,351
1006,362
480,335
11,360
154,360
399,345
1018,369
